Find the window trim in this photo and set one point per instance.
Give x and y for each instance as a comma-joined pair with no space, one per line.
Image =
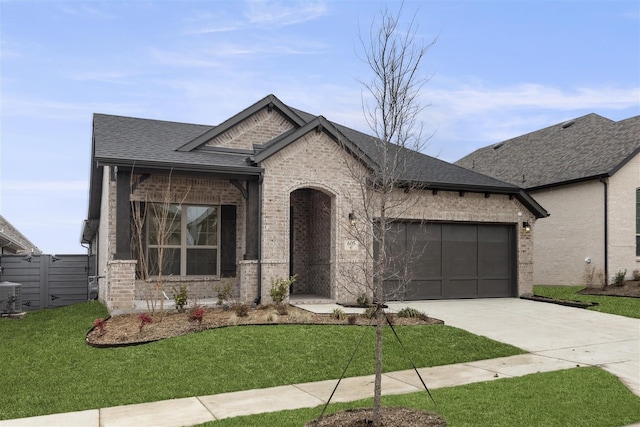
183,247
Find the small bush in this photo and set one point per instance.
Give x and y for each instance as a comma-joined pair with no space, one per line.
282,309
370,312
242,310
339,314
280,288
272,317
618,279
352,319
223,289
180,298
197,314
636,275
363,300
144,319
412,313
100,325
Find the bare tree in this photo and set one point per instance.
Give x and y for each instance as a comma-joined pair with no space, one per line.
387,182
156,227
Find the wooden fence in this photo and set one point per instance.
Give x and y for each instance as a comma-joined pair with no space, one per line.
48,280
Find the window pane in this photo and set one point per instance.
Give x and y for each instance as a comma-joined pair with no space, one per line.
202,262
202,226
164,225
170,261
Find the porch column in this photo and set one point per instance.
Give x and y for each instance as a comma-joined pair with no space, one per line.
123,215
252,234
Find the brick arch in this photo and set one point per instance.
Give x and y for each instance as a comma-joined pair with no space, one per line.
310,242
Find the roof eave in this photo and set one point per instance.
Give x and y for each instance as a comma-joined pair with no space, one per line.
241,170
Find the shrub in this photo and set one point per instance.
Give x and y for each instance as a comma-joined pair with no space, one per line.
352,319
197,314
363,300
282,309
280,288
412,313
223,289
242,310
370,312
618,279
100,325
338,313
180,297
636,275
144,319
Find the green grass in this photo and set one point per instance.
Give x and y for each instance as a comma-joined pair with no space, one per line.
46,367
623,306
575,397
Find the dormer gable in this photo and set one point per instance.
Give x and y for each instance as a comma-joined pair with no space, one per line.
256,125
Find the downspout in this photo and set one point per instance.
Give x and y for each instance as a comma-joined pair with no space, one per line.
603,180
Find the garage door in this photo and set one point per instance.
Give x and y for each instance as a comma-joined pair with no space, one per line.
445,261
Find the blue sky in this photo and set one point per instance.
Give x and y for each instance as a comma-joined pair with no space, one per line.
499,69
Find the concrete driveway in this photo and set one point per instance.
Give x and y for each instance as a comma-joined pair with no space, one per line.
564,333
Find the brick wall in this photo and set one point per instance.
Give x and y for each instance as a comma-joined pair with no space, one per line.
257,129
573,232
120,278
622,218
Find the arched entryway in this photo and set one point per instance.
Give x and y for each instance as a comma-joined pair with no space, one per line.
310,243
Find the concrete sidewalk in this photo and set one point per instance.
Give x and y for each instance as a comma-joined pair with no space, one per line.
558,338
196,410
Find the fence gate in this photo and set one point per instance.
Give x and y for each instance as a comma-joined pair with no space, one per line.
47,280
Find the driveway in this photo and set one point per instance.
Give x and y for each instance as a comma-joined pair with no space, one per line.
564,333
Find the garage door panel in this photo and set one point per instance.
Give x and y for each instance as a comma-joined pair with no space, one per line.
460,288
495,287
494,251
460,250
424,289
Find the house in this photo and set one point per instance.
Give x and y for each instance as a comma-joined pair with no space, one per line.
13,241
586,173
269,193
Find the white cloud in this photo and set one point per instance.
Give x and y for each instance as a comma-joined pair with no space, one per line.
468,99
281,14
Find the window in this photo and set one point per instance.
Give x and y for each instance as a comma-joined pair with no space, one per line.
183,240
638,222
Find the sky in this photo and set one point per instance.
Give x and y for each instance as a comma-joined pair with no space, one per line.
498,69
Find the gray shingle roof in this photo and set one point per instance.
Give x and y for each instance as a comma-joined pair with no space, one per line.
585,148
130,141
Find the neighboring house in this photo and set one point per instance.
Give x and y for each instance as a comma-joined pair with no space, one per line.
586,173
14,242
268,194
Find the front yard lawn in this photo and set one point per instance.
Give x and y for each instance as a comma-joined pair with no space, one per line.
622,306
589,397
46,367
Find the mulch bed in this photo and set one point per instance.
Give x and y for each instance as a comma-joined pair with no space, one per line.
391,417
124,330
630,288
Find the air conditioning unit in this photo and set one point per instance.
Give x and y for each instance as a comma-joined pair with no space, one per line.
10,299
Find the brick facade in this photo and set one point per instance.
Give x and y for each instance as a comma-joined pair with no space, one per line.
575,231
309,188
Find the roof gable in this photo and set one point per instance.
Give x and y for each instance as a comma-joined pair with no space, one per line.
260,111
585,148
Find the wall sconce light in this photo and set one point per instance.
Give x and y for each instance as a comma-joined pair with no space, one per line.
352,219
526,226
